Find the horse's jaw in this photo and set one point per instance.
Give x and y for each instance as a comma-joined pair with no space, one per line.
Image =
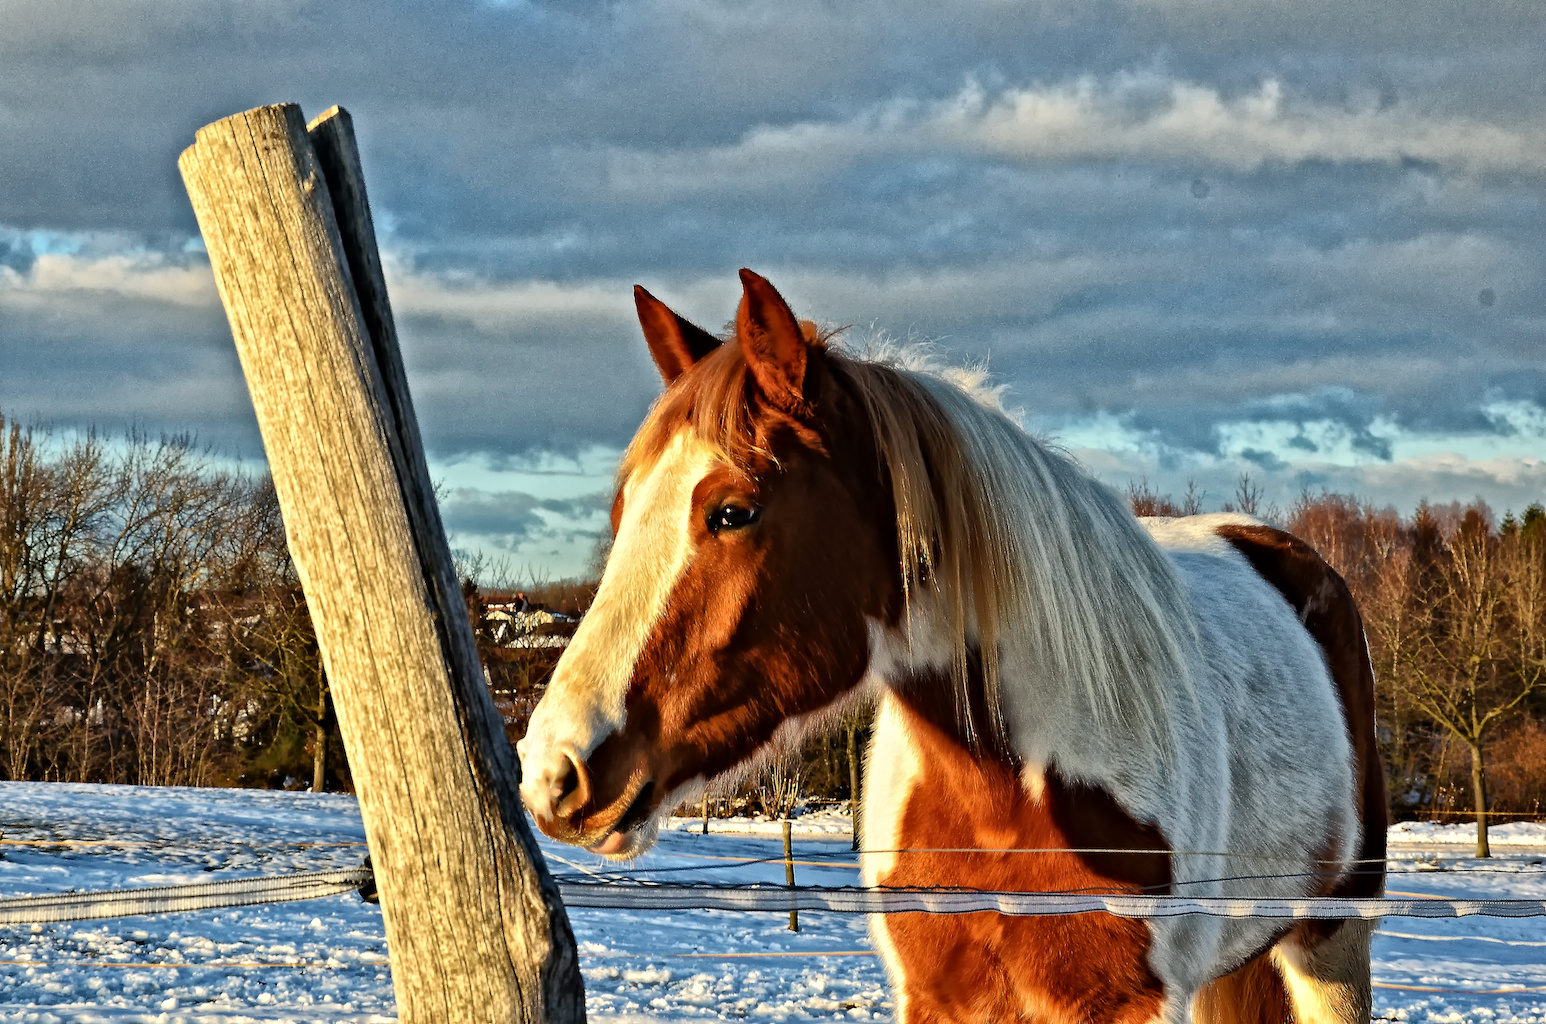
638,838
626,846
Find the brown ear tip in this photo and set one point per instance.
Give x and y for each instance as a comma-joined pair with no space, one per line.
750,277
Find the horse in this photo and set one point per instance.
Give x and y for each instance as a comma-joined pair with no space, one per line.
1070,699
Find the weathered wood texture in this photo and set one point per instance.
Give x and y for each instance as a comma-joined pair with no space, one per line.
473,919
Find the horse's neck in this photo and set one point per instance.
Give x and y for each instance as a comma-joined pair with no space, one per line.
916,660
1037,721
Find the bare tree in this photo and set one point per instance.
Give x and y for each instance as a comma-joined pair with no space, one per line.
1191,505
49,509
779,784
1247,494
1146,502
1476,651
23,508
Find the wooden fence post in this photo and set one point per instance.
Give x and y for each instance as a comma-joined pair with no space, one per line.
794,915
855,779
474,922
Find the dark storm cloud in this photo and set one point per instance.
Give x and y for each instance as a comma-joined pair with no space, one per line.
1354,416
549,387
115,363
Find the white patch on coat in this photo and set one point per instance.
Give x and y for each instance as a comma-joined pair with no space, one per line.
585,702
1033,779
895,969
1329,983
891,770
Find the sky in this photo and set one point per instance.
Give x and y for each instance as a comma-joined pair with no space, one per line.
1194,238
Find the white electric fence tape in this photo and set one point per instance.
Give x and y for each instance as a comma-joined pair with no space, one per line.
166,899
1021,904
244,892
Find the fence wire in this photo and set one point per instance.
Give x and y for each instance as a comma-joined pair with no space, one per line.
855,900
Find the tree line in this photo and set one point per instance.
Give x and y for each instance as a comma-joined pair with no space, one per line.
1453,601
1454,608
153,631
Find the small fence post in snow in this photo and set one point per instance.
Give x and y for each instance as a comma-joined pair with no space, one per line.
794,915
474,920
855,777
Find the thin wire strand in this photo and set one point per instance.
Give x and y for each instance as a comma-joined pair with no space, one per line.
1457,991
1459,938
162,844
739,862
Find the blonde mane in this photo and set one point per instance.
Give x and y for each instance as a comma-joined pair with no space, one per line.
1029,559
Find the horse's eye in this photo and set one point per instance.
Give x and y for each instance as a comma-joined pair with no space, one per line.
732,517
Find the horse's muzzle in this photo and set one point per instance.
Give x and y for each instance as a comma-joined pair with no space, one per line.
557,793
561,798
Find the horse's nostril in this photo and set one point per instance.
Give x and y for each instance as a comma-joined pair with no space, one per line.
571,792
568,784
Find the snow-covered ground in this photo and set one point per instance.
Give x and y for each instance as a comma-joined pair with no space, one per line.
324,960
1513,836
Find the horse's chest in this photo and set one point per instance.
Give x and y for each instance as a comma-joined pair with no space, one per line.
936,816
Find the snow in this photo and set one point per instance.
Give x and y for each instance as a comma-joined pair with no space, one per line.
323,960
808,824
1425,833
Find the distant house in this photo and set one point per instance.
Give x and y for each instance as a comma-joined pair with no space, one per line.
514,626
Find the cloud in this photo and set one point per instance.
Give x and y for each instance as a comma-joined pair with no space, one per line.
148,277
509,514
1348,442
523,535
1504,483
490,305
520,364
1146,117
1327,440
1127,116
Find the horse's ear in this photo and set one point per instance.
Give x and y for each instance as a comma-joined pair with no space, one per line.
772,342
674,342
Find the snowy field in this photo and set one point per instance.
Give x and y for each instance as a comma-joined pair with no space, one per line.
325,960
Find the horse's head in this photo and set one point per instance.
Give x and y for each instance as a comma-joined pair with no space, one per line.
754,542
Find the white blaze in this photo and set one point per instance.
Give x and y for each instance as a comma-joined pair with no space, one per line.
584,703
